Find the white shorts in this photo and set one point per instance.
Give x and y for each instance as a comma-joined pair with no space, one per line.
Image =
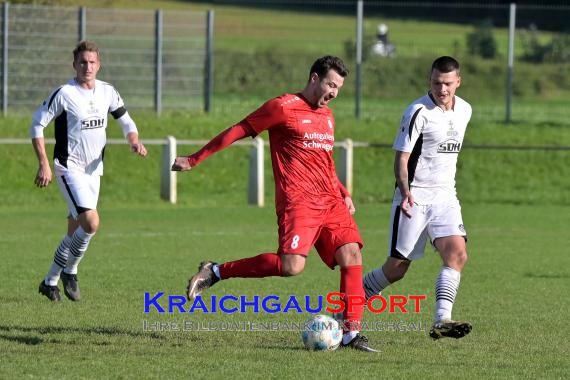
80,190
408,236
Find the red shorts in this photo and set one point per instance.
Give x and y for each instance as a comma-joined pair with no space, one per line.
300,228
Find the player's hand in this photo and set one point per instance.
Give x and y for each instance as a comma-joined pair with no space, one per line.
181,164
407,204
138,148
44,176
350,205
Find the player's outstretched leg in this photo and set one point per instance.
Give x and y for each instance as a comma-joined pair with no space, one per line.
204,279
51,292
70,286
450,329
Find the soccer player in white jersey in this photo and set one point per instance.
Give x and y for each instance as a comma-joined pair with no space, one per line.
80,109
425,202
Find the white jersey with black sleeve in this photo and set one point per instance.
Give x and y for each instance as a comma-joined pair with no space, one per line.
80,122
433,137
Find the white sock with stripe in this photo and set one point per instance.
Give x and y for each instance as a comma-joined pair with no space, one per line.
59,261
77,248
445,291
375,282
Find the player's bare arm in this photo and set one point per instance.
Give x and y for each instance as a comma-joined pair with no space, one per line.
401,173
136,146
44,175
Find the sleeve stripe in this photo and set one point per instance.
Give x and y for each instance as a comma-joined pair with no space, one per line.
410,127
53,97
119,112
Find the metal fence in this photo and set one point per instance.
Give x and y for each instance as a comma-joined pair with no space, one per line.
155,59
297,31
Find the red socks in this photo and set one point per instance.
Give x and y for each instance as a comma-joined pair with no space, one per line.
264,265
269,264
351,285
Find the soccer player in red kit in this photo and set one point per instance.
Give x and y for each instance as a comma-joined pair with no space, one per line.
313,207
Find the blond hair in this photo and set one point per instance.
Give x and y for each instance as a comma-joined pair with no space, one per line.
85,46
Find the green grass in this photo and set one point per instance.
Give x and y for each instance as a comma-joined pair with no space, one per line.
513,288
512,295
515,202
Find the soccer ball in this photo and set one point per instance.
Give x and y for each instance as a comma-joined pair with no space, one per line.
321,333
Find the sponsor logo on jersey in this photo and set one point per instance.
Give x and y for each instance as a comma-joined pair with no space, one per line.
330,123
323,141
306,121
449,146
93,123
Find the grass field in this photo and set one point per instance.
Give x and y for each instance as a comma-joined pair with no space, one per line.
516,209
514,290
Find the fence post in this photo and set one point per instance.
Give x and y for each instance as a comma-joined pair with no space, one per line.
82,24
512,25
5,14
359,22
256,191
167,176
209,74
158,63
345,169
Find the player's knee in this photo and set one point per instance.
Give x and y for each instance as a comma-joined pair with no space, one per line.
348,255
462,258
457,260
92,226
89,221
396,270
292,270
396,275
292,265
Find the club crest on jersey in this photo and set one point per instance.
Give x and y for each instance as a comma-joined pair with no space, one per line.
449,146
92,123
451,132
92,110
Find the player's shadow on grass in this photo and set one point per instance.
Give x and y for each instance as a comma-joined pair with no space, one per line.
547,275
108,331
28,340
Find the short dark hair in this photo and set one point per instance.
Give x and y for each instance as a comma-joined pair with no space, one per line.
445,64
85,46
322,66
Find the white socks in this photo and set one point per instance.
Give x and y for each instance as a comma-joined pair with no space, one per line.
445,291
374,282
59,261
77,247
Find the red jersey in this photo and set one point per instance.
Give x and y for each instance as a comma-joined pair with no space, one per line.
301,138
